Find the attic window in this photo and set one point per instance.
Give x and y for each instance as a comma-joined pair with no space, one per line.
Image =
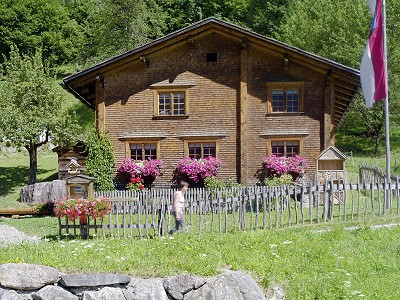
212,57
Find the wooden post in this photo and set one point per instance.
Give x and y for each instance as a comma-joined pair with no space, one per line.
100,105
243,114
329,112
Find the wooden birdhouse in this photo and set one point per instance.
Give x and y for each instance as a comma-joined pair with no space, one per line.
73,166
331,165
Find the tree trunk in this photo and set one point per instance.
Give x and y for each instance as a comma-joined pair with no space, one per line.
377,138
32,149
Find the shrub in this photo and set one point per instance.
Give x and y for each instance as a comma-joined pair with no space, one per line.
46,207
100,160
284,179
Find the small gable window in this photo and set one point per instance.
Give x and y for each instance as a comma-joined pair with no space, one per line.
212,57
285,97
171,102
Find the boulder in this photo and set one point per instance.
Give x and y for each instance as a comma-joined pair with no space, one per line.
52,292
178,286
10,295
27,276
106,293
43,191
247,285
230,285
144,289
93,280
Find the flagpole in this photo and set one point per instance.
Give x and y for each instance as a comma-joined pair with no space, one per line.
386,104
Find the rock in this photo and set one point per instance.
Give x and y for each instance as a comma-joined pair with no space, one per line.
278,293
93,280
230,285
11,235
144,289
10,295
178,286
52,292
247,285
106,293
27,276
43,191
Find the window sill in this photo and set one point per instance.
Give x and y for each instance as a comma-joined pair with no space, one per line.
171,117
279,114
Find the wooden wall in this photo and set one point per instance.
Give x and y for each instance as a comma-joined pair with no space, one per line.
215,104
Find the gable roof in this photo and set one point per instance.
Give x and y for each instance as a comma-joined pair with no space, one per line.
346,80
331,153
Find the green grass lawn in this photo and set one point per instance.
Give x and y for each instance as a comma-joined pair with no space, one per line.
309,262
14,172
318,261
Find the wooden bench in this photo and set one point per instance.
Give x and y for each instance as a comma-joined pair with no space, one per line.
15,213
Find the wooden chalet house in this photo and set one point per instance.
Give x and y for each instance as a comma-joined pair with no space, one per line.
214,88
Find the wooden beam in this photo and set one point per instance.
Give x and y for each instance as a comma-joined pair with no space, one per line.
329,112
243,114
100,105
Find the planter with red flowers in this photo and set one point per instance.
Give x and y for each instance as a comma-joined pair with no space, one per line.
83,210
141,173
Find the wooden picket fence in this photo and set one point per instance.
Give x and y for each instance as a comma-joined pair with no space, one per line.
147,213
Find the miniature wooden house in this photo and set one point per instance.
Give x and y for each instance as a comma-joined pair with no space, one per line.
71,161
330,165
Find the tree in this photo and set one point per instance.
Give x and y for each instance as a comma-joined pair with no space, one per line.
338,29
44,24
138,22
30,108
262,16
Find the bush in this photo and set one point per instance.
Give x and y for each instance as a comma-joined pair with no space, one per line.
100,161
284,179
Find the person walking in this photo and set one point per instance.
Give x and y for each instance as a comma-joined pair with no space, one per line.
178,208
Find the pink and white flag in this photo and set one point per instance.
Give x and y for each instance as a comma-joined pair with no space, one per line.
373,65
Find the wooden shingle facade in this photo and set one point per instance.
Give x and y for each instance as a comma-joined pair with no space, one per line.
215,88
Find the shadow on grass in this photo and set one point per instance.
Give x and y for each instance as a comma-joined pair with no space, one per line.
15,177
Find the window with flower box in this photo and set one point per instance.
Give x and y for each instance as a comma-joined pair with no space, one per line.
285,97
171,102
285,147
137,150
201,149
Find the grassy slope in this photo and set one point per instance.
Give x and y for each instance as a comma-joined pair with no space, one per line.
14,171
308,262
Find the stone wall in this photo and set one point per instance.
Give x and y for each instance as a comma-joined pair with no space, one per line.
37,282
